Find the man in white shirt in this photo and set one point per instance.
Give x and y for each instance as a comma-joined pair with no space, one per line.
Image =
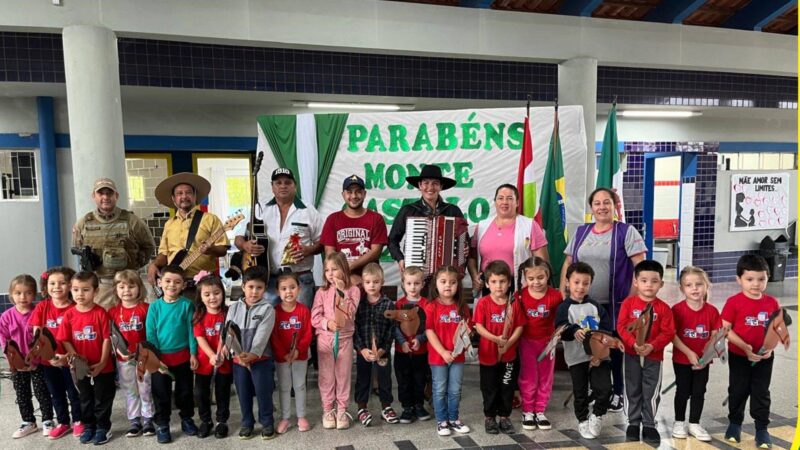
288,219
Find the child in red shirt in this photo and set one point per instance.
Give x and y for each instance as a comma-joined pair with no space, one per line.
642,364
499,321
538,303
750,373
129,316
411,352
85,332
49,313
208,322
291,319
695,323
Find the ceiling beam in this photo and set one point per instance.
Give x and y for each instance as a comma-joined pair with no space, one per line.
583,8
756,15
673,11
483,4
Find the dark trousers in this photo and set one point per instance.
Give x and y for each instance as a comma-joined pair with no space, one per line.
97,400
747,380
222,393
257,382
497,386
59,384
411,372
364,381
162,394
22,386
689,383
599,378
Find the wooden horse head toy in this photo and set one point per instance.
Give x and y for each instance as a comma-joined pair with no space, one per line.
550,348
408,319
715,347
148,360
118,341
461,340
43,346
776,332
341,310
508,323
382,361
233,339
79,369
599,345
14,356
641,327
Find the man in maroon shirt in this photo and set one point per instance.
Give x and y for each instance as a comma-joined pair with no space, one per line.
356,231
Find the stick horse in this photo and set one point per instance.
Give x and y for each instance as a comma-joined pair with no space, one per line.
641,326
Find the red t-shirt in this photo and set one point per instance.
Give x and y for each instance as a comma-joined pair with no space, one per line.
694,328
354,236
131,323
661,332
87,331
492,316
443,320
286,323
422,303
210,327
540,314
46,315
749,319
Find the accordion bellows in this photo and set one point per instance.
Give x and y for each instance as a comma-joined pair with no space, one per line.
436,241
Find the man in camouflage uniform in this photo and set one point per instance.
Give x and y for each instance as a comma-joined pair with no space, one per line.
117,238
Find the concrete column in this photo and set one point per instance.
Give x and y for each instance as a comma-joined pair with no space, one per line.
91,66
577,85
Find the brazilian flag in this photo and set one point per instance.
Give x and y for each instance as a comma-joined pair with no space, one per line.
552,213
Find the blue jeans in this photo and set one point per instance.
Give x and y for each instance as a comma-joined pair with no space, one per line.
259,381
447,391
59,384
305,297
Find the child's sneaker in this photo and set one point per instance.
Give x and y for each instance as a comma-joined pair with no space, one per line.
734,433
699,432
458,426
148,429
651,436
268,432
135,430
60,431
246,433
302,424
583,429
77,428
389,415
679,430
542,422
86,436
632,433
616,404
422,413
283,426
407,416
221,431
763,440
343,419
506,427
101,436
204,430
25,429
329,420
47,427
595,424
364,417
164,436
443,428
528,421
490,426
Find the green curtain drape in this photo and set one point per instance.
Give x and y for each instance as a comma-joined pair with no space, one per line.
281,133
329,133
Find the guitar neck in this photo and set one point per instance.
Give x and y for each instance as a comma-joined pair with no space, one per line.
192,257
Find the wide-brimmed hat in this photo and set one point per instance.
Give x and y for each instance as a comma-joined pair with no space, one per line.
433,172
164,189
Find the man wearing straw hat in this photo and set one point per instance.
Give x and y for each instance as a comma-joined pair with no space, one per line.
184,191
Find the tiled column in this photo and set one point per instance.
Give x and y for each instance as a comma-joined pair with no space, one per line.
91,67
577,85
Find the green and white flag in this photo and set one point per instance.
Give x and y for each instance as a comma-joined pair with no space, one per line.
609,172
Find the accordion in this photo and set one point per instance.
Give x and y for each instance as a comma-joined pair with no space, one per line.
436,241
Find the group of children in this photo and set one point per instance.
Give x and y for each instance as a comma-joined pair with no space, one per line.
188,338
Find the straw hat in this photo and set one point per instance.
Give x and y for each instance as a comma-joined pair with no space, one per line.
164,189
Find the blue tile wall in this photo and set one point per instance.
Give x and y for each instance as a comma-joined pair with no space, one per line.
38,57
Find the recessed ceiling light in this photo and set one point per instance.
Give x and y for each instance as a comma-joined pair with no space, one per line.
342,105
660,114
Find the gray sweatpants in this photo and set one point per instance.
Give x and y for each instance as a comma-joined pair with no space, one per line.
289,376
642,390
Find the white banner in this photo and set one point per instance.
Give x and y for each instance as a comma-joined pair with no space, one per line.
759,201
479,148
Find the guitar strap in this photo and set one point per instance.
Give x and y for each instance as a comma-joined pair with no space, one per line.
198,215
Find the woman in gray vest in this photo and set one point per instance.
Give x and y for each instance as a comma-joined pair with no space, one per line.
507,236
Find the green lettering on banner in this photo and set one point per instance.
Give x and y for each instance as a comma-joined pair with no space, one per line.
373,177
375,141
422,138
390,208
461,174
494,136
411,171
447,136
397,138
355,134
395,176
373,204
469,133
515,134
478,210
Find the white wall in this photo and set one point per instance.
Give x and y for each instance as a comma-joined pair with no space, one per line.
727,241
666,198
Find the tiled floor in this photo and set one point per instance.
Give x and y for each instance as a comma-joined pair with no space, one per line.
382,436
